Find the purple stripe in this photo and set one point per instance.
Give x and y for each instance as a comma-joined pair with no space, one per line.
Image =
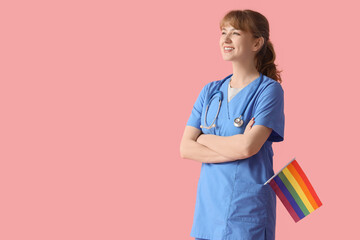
289,197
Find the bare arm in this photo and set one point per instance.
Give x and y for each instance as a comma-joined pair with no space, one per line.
239,146
234,147
257,137
190,149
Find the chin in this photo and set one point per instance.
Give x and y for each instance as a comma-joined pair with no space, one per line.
228,59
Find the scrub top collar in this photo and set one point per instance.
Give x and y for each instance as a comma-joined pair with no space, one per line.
248,89
227,82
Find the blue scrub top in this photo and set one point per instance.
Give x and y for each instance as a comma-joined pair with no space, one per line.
232,203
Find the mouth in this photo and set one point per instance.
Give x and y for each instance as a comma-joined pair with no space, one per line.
228,49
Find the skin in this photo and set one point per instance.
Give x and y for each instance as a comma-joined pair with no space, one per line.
211,148
242,57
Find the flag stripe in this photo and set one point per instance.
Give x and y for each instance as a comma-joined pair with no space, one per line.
293,193
307,182
284,200
298,189
302,185
287,194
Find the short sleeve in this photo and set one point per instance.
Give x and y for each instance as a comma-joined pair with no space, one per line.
269,111
195,116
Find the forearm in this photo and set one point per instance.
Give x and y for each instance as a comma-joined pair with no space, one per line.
233,147
198,152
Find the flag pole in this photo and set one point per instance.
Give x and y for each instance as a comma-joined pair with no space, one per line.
279,171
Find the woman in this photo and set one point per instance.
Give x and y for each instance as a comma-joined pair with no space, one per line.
236,153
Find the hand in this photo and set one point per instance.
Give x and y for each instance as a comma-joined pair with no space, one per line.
249,125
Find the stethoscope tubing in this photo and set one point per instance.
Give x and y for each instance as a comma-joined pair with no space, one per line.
237,121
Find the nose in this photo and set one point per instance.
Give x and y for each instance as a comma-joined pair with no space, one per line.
227,38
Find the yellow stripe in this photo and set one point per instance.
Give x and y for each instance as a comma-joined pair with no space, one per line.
298,189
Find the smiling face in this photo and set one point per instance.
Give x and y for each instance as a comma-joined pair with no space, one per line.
242,44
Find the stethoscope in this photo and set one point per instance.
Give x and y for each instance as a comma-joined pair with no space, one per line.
238,122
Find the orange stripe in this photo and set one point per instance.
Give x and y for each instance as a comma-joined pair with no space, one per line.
307,182
302,185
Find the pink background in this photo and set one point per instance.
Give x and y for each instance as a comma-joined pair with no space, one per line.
95,96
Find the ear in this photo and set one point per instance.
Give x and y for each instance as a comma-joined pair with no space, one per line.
258,43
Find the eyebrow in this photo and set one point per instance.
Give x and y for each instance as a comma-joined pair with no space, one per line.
230,29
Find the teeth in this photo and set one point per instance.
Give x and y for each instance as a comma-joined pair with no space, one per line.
228,48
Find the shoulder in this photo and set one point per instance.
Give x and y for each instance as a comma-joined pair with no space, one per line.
213,85
216,84
270,86
270,92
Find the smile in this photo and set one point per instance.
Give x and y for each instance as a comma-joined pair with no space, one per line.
228,49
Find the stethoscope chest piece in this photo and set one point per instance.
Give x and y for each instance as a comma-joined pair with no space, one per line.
238,122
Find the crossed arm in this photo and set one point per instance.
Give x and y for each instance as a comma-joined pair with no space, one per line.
211,148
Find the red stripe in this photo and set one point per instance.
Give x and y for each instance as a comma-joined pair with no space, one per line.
307,182
284,200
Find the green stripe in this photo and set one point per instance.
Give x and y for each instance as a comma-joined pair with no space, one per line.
294,193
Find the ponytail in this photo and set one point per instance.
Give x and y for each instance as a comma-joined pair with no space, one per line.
264,61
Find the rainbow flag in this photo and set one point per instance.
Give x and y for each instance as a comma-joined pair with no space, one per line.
295,191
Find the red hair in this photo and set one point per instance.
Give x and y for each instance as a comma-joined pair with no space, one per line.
257,25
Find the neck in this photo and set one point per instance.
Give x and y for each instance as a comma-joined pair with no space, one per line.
243,75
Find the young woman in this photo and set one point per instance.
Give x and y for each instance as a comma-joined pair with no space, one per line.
232,126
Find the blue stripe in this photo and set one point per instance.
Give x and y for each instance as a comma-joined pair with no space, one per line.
289,197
